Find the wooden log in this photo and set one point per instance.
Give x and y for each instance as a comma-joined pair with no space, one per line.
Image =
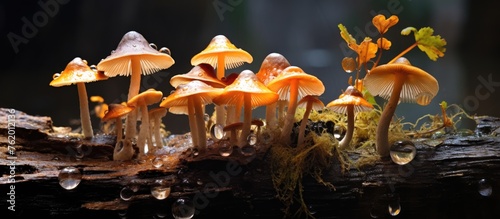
450,180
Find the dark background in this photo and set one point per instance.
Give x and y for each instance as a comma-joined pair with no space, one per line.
305,32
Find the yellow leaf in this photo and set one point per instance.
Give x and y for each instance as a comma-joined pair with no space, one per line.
366,51
432,45
351,42
382,24
384,43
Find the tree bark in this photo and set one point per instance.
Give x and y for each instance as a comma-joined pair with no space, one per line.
443,181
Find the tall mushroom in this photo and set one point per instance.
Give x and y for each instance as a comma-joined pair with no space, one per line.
117,112
194,94
311,103
78,72
248,92
350,102
221,54
134,57
398,82
271,67
142,101
294,83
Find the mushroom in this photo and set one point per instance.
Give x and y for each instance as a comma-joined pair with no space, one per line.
272,65
311,102
142,101
249,92
100,110
155,116
194,95
201,72
116,112
294,83
78,72
398,81
221,54
184,110
350,102
133,57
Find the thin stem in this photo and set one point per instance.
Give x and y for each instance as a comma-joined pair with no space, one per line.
247,118
344,143
403,53
303,123
84,111
200,124
290,114
271,115
192,123
135,81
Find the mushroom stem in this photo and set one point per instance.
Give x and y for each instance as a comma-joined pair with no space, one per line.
281,111
156,129
220,115
344,143
118,128
84,111
290,114
386,117
200,124
271,115
247,119
303,123
135,81
192,122
403,53
144,134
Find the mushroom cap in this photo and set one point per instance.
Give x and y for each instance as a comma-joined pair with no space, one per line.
179,110
246,83
307,84
134,44
233,126
419,86
181,95
162,111
221,47
272,65
317,104
76,71
116,110
351,96
202,72
147,97
229,79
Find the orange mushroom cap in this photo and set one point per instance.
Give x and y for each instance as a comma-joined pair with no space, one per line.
307,84
221,47
147,97
116,110
419,86
180,96
351,96
202,72
246,82
272,65
76,71
134,44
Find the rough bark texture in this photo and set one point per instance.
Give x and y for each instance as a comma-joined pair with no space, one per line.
441,182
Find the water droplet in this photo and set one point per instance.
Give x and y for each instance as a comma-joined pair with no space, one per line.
437,134
157,162
195,152
126,193
248,151
56,158
113,51
165,50
484,188
217,131
403,152
183,208
93,67
349,64
394,208
252,139
152,45
225,149
424,98
69,178
160,192
338,132
206,117
56,75
199,182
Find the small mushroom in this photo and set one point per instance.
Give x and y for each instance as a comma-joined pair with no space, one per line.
116,112
221,54
270,68
142,101
293,84
195,94
247,92
202,72
350,102
155,116
78,72
134,57
398,82
310,102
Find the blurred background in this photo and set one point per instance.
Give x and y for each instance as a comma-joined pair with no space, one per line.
41,37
